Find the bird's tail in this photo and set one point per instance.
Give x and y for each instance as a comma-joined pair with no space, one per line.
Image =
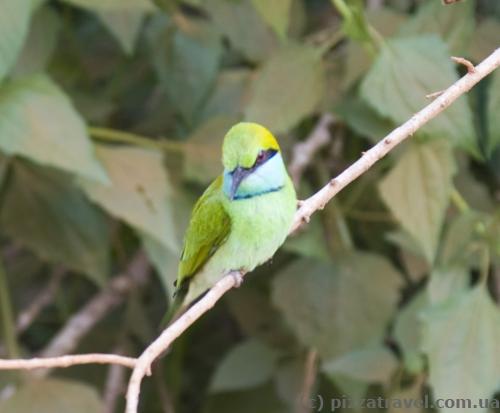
176,307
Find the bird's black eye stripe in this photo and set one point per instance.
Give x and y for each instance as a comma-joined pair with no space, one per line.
264,156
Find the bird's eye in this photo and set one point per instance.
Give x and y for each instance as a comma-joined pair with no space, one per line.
260,156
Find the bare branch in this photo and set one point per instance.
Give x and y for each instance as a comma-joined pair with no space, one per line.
66,361
46,296
308,207
304,152
310,372
115,385
460,60
83,321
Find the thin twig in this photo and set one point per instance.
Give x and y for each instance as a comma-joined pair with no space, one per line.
310,372
83,321
434,95
460,60
66,361
309,206
115,385
46,296
304,152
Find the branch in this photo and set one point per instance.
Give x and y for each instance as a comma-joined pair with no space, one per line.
308,207
67,361
303,152
46,296
85,319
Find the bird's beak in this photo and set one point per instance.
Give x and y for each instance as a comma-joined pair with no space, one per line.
237,176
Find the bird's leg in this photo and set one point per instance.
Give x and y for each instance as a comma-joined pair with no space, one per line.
238,278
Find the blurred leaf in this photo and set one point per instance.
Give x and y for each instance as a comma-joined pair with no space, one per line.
486,39
408,332
461,339
38,121
140,192
455,25
248,365
288,379
243,26
372,364
53,396
276,13
404,73
4,165
228,95
277,99
310,243
144,5
447,282
319,300
417,191
164,261
386,21
462,237
124,25
475,191
262,399
40,43
206,144
493,113
14,23
257,317
187,65
363,119
354,22
47,212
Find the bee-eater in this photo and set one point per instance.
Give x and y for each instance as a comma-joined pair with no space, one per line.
243,217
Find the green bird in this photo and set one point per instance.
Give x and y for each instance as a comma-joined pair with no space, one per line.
242,218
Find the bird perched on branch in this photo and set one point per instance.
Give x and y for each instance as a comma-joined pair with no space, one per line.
241,219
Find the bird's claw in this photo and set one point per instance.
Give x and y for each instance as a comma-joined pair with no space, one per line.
238,278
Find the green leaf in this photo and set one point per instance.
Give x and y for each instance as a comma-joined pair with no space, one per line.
37,121
455,25
363,119
276,13
408,333
46,211
262,399
140,192
406,71
319,300
164,260
143,5
51,396
485,40
186,64
248,365
228,96
124,25
206,143
243,26
40,43
14,23
493,113
447,282
461,340
417,191
374,364
277,99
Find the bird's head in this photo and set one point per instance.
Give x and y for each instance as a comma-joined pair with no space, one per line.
252,162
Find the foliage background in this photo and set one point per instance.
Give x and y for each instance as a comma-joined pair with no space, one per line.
112,114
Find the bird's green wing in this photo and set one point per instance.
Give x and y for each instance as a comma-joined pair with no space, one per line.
207,231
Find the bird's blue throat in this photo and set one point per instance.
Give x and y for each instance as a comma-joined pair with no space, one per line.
266,178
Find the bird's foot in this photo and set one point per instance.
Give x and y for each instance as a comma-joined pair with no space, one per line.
238,278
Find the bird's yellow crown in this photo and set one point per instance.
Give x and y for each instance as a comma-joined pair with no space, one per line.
243,142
